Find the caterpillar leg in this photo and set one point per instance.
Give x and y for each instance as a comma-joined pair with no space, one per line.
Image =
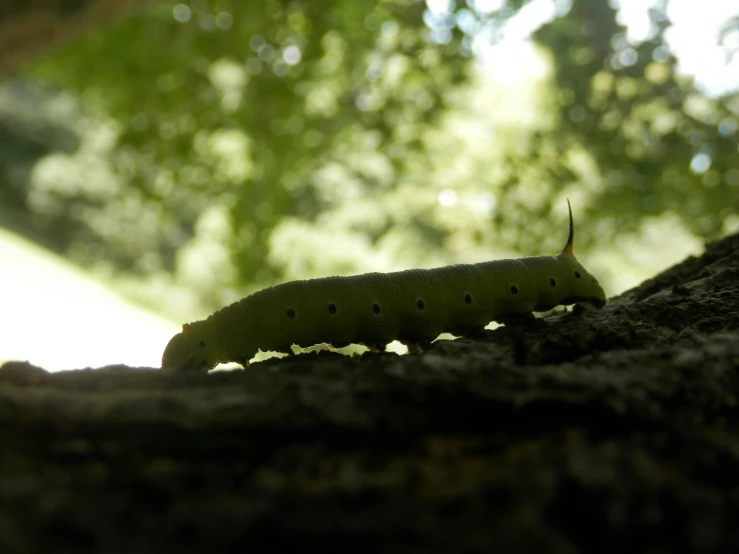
284,349
469,332
375,348
418,347
581,307
243,362
515,319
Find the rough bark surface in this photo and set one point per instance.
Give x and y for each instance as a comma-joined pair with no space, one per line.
610,431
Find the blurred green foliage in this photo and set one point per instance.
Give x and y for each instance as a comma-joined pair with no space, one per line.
643,125
237,144
191,95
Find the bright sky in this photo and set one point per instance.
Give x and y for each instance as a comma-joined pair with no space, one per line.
56,316
692,37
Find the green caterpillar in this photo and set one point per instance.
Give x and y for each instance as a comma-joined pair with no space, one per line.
412,306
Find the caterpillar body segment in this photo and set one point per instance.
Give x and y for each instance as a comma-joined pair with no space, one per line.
412,306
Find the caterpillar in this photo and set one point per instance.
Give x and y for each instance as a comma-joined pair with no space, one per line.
413,306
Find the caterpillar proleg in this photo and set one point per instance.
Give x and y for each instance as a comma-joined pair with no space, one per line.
412,306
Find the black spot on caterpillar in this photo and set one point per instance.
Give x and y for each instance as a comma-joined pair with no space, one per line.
412,306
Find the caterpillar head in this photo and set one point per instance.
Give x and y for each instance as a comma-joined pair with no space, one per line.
583,287
192,350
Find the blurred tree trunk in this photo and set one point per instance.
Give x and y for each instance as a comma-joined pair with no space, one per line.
28,28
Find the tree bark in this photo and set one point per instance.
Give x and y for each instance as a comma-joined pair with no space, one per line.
598,431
